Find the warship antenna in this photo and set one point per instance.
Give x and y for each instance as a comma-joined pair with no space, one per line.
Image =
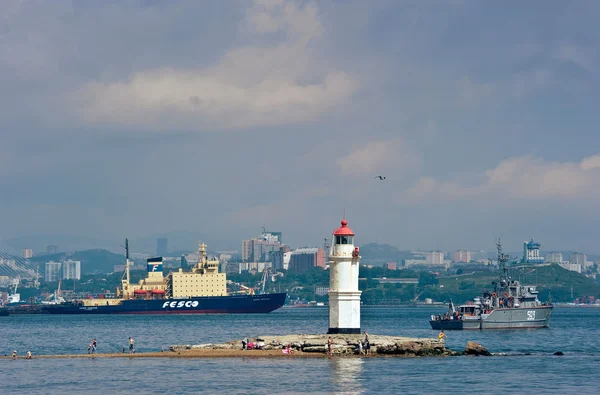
502,259
126,248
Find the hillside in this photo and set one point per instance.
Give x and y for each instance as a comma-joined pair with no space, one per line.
92,261
381,253
554,283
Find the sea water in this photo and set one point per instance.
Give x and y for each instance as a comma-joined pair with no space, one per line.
529,365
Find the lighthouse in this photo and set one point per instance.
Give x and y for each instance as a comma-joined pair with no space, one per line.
344,296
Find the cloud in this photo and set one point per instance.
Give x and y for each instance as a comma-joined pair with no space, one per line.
572,54
379,158
269,16
282,210
525,177
249,86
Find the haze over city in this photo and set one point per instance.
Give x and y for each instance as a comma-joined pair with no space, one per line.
212,119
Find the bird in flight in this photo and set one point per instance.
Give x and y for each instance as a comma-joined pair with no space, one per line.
380,177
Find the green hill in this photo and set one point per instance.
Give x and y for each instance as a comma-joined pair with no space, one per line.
92,261
553,282
374,253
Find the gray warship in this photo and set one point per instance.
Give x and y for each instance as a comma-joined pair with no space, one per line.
509,306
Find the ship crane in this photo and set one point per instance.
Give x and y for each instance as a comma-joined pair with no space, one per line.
263,281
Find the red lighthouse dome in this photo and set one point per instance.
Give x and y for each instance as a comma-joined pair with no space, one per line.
343,230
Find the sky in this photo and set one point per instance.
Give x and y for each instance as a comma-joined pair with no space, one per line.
144,118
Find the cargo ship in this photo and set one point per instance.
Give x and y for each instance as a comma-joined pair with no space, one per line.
201,290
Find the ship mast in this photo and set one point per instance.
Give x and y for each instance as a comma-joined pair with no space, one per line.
127,260
502,261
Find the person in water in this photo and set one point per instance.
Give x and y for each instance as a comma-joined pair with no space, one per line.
329,346
28,355
14,355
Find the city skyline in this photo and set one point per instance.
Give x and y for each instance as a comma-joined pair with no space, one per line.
218,118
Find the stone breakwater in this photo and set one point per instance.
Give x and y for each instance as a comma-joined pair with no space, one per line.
342,345
303,346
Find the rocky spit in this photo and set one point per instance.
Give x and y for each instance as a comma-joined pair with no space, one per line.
343,345
303,346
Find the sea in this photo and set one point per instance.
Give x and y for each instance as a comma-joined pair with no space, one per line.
527,363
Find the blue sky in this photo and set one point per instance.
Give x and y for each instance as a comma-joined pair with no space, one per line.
141,118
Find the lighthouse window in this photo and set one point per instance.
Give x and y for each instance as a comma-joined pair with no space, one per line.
343,239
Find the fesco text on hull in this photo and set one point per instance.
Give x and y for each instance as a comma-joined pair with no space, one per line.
199,305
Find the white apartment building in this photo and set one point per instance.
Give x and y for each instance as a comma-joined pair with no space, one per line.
554,257
52,273
434,258
461,256
71,270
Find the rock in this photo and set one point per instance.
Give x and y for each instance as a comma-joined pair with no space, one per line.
559,353
320,349
474,348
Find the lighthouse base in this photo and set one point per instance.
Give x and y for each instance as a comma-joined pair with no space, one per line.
343,331
344,312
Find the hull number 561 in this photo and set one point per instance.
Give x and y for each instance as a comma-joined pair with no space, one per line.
531,315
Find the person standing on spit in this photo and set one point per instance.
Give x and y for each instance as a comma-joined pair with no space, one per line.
93,346
131,341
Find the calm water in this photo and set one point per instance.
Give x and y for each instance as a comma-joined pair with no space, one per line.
573,332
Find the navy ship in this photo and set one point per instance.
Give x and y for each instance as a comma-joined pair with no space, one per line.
509,306
202,290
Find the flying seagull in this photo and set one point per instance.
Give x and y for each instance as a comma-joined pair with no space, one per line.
380,177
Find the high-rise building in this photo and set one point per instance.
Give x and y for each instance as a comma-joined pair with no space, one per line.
276,258
531,252
233,268
162,246
247,250
434,258
578,258
259,249
554,257
71,270
52,273
51,249
272,236
461,256
302,259
27,253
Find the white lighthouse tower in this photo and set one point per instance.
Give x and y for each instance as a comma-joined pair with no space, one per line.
344,296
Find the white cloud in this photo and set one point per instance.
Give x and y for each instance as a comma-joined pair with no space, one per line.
296,204
575,55
524,177
269,16
591,162
378,158
250,86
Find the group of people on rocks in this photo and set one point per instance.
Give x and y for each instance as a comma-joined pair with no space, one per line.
363,346
251,345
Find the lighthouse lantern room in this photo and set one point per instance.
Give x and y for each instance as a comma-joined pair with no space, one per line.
344,296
